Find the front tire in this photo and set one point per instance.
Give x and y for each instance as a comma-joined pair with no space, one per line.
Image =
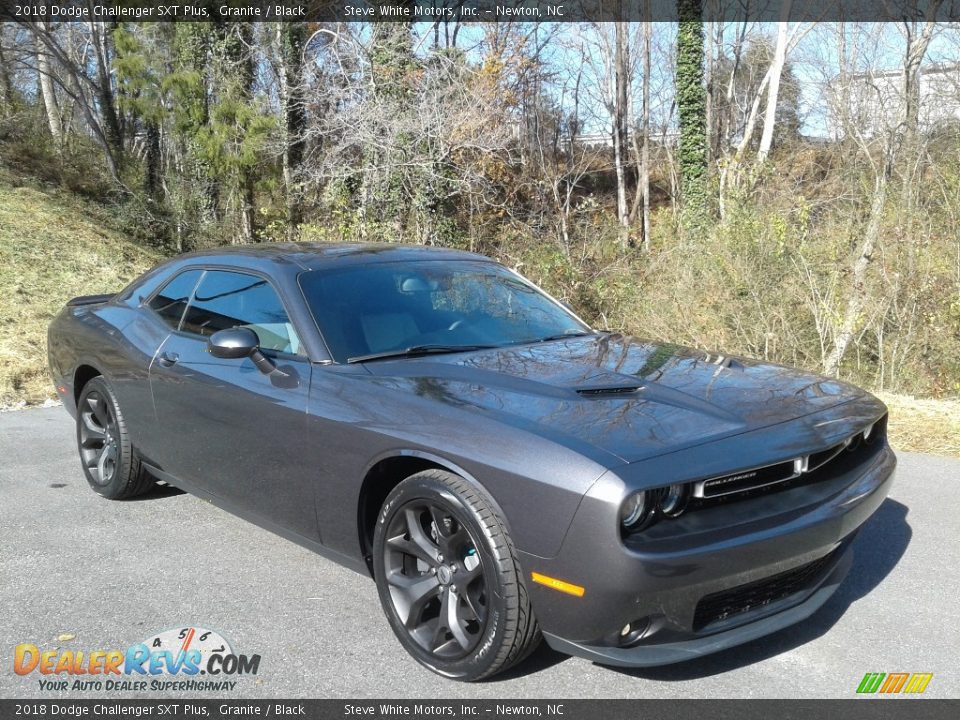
109,461
448,578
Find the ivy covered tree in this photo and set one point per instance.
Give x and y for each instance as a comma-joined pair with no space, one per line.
692,110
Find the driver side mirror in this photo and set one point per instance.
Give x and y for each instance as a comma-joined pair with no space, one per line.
238,343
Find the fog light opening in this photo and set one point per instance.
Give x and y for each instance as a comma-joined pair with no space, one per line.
633,631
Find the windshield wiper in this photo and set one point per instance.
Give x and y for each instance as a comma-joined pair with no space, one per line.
418,350
561,336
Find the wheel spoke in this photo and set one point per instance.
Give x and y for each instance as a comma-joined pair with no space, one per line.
92,437
102,460
407,547
453,619
469,576
418,536
90,425
101,411
470,605
440,629
414,593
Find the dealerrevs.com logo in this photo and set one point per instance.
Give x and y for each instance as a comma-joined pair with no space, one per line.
198,659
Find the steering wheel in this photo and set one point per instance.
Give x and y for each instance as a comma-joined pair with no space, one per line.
455,324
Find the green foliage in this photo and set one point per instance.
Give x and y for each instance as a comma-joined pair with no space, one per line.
692,111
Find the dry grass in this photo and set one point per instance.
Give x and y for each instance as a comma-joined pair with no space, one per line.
924,425
52,247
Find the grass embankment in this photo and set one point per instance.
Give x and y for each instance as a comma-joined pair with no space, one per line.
924,425
53,246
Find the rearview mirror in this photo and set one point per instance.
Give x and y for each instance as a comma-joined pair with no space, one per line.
233,343
238,343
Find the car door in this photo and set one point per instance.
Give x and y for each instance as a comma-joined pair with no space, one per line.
153,322
226,427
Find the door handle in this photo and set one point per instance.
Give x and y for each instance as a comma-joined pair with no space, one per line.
168,358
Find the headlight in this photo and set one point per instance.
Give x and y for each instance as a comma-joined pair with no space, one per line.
634,510
674,500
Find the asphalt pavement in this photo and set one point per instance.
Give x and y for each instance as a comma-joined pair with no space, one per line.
78,572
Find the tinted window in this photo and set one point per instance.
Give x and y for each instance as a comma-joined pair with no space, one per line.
228,299
384,307
170,302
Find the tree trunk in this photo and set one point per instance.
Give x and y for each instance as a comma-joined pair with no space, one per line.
773,86
645,148
46,88
292,37
248,227
709,118
152,180
858,293
621,80
7,95
101,40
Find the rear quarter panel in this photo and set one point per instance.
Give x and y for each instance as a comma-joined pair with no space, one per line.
117,341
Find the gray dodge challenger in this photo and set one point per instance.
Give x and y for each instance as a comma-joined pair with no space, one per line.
503,471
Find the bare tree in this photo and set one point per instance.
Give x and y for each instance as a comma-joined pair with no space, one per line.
645,149
773,87
45,80
882,150
618,110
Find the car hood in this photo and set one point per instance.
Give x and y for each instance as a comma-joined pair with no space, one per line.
629,398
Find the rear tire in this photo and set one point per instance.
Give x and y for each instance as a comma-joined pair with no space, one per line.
110,462
448,578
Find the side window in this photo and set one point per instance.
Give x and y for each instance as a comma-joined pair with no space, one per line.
231,299
170,302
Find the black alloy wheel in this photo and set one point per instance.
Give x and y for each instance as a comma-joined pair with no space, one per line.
99,439
436,580
110,462
448,578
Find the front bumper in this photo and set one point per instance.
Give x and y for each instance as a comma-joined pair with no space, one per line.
659,583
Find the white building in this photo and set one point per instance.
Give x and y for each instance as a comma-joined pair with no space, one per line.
874,101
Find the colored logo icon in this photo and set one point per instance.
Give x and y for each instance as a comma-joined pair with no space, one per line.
894,683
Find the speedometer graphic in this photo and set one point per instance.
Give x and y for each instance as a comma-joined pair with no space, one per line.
179,641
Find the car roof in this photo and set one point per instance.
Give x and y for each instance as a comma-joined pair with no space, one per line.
316,255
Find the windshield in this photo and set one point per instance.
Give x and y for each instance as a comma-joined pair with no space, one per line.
364,310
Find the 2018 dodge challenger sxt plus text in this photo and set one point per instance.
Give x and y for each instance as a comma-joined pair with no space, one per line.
503,471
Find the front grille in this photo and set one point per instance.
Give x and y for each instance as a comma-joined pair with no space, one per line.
747,480
743,598
821,465
818,460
